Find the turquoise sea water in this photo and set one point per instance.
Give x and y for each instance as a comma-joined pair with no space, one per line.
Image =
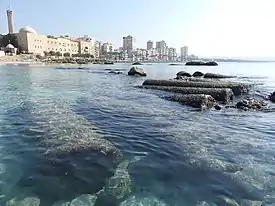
187,158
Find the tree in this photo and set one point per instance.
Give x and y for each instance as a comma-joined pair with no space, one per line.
92,56
59,54
38,56
52,53
67,54
46,53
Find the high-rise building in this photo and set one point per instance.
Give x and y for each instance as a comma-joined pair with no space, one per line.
150,45
183,53
172,54
10,21
162,50
128,43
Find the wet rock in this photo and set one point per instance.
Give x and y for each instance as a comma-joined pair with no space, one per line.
237,88
251,103
137,63
135,71
203,203
217,76
174,64
201,63
28,201
198,74
226,201
219,94
115,72
193,100
217,107
61,204
137,200
183,74
84,200
251,203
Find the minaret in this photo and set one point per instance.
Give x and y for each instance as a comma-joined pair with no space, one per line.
10,21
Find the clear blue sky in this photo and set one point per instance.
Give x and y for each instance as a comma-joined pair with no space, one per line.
208,27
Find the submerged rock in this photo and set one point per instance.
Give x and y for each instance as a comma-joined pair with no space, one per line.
84,200
217,76
71,151
120,185
237,88
28,201
198,74
135,71
140,201
219,94
193,100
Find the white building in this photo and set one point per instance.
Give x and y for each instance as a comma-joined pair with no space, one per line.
172,54
162,50
183,53
30,41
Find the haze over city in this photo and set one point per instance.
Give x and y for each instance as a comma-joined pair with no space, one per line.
209,28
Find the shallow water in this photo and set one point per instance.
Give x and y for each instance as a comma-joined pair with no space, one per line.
188,157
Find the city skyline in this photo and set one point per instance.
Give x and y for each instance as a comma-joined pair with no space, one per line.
215,32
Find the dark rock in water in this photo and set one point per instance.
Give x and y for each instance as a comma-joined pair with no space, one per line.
272,98
211,63
201,63
217,107
173,64
108,62
137,63
219,94
193,100
135,71
217,76
115,72
183,74
251,103
237,88
198,74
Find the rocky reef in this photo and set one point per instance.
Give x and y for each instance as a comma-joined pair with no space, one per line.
237,88
207,90
69,151
201,63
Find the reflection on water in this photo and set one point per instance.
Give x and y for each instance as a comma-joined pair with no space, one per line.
190,158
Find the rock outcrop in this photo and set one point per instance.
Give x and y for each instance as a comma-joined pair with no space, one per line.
193,100
251,103
135,71
219,94
201,63
217,76
237,88
198,74
183,74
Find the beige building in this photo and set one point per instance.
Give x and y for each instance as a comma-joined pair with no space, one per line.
32,42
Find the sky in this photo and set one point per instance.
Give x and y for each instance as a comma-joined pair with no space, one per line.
231,28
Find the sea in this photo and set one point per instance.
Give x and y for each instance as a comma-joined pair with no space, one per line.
175,156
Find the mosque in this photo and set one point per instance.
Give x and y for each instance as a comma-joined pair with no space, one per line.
30,41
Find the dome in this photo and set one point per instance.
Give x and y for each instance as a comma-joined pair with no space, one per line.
27,29
10,46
